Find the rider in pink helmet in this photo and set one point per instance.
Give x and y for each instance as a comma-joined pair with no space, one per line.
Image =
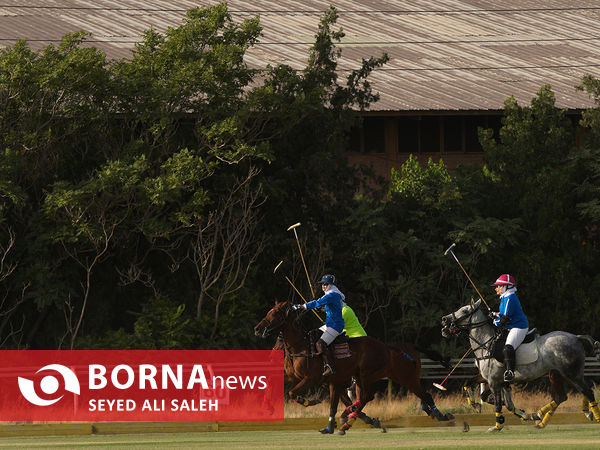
511,316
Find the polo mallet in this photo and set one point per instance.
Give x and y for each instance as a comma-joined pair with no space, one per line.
440,386
293,227
292,284
463,269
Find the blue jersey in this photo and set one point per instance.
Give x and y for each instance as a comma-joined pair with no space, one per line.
332,302
511,307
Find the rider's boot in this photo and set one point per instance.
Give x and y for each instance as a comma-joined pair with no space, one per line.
509,363
327,354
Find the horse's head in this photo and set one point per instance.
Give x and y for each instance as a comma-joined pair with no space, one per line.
274,321
460,320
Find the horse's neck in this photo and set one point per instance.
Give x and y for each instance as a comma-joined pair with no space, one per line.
481,337
294,339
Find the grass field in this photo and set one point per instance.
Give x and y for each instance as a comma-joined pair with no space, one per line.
569,429
453,402
520,436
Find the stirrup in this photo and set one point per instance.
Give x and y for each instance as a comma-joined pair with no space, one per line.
328,371
509,375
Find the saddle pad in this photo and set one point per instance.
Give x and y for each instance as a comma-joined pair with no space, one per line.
527,353
341,351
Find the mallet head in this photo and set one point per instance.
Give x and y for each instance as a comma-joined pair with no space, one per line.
449,249
277,266
439,386
296,225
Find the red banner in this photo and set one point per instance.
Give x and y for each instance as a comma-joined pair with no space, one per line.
103,385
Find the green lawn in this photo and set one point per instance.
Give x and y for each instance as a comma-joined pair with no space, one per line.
519,436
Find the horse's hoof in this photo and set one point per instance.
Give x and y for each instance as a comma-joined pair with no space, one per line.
341,433
326,430
589,415
493,430
539,426
383,430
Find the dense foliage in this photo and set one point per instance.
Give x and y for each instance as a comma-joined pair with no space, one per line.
144,203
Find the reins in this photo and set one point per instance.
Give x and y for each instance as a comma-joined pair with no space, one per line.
487,345
296,323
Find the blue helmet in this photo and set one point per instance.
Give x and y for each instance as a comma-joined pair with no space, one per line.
327,279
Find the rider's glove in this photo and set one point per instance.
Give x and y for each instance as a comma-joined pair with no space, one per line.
503,320
297,307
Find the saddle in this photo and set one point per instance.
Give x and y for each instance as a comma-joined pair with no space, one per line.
526,353
340,345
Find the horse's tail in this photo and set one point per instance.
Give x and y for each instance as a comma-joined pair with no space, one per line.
435,356
592,344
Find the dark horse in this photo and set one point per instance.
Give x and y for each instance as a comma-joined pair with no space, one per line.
370,361
292,378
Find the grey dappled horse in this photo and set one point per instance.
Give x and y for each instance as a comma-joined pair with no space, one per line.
559,354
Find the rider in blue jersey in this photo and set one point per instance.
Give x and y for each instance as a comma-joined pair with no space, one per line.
334,322
511,316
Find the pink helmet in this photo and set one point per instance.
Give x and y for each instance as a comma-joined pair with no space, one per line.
505,280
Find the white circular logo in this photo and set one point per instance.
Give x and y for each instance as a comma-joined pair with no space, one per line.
49,385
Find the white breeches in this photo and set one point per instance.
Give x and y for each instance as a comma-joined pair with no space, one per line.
329,334
516,336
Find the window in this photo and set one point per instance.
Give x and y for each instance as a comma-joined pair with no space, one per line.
430,135
408,135
374,134
354,139
472,123
453,132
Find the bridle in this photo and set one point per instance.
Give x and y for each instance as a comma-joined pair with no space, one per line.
272,326
458,327
276,324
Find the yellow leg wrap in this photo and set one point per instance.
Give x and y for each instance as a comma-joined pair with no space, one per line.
548,411
545,409
595,410
470,396
469,401
585,405
499,421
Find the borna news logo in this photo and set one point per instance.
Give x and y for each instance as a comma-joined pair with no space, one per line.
49,385
133,385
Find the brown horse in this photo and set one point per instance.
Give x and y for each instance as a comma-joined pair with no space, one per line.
292,378
370,361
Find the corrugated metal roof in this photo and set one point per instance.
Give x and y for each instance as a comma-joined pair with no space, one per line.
447,55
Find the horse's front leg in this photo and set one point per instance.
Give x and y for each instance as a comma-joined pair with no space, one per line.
296,393
334,397
497,391
508,402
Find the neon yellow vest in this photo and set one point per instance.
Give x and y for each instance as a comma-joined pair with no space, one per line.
352,326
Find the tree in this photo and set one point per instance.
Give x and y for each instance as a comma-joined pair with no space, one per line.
534,178
146,179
